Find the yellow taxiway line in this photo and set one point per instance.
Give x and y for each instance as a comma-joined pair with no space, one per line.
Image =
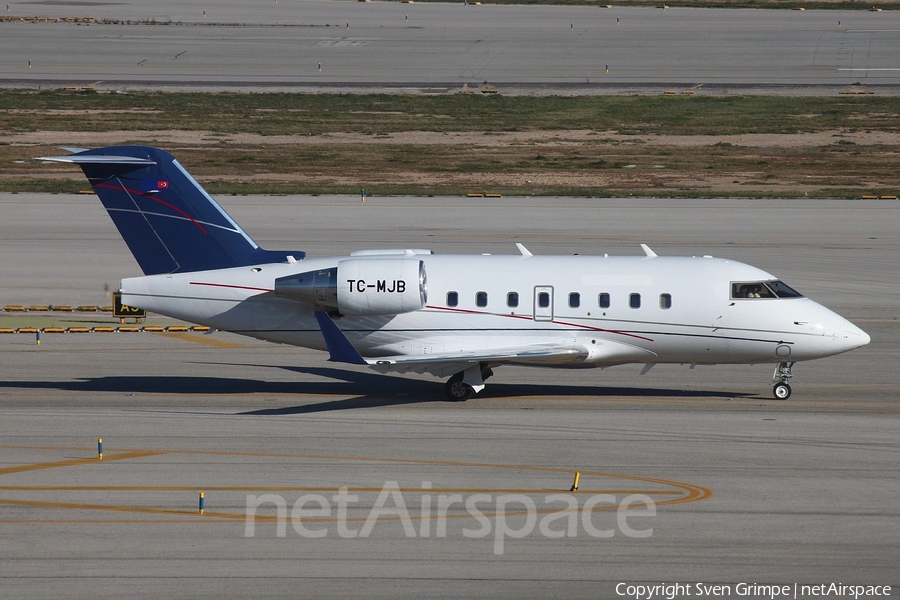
683,492
78,462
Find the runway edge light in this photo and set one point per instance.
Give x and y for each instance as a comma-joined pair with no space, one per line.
201,502
100,448
574,487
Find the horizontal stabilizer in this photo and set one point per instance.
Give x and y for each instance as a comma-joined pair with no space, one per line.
77,159
73,149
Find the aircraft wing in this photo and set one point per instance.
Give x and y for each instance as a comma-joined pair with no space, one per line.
448,363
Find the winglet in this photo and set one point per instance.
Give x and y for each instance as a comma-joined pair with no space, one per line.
650,253
523,250
339,347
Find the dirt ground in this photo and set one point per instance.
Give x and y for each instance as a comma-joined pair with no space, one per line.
632,176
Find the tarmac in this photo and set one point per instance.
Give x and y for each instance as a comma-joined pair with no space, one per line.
441,48
726,485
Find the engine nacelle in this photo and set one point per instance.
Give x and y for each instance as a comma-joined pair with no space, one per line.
381,286
361,286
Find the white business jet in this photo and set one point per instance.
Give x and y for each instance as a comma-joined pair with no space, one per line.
451,316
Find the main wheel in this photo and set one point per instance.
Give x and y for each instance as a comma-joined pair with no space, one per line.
782,391
457,390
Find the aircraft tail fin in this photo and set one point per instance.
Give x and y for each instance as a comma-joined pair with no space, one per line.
169,222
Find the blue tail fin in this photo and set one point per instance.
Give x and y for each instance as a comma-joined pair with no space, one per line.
167,219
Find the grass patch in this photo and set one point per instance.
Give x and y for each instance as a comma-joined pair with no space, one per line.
343,143
379,114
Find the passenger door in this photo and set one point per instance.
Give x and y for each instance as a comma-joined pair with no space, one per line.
543,303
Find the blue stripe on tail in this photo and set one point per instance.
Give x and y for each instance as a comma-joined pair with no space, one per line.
166,218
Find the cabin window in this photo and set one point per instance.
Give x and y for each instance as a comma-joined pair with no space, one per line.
634,301
603,300
481,299
574,300
512,299
665,300
452,299
543,300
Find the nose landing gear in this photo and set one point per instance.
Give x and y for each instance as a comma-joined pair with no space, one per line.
780,387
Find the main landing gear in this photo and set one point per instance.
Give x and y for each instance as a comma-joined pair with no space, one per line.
466,384
780,387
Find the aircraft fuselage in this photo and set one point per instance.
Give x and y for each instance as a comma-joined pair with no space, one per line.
457,316
650,309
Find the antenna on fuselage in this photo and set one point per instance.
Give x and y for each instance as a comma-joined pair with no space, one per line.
523,250
650,253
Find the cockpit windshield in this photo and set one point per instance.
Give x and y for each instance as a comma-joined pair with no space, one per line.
762,289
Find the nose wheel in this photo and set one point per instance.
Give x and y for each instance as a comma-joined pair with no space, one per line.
782,391
780,387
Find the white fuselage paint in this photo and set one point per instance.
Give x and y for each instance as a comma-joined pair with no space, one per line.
704,325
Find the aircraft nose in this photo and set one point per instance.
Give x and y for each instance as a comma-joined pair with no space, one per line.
848,335
842,335
855,337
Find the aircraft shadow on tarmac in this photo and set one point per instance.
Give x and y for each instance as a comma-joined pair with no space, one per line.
368,390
